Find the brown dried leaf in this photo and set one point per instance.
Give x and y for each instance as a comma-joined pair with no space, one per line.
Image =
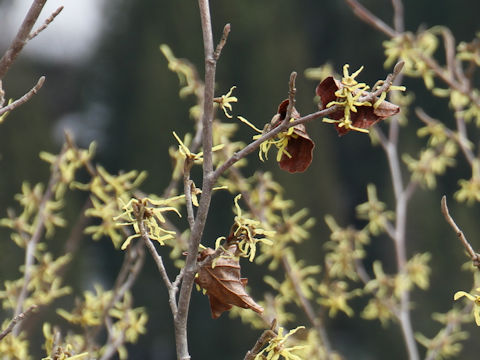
365,117
223,284
300,145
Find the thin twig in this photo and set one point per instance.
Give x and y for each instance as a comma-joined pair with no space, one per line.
156,257
132,267
450,53
364,14
397,232
56,349
460,138
453,83
92,171
194,146
291,96
18,318
24,98
307,308
304,119
113,343
187,189
398,16
127,275
22,36
451,326
76,234
46,23
266,336
172,288
2,94
36,236
403,314
402,195
223,41
473,255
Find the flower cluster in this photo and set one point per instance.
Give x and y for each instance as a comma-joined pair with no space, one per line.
277,347
294,146
245,232
354,112
146,218
413,50
106,190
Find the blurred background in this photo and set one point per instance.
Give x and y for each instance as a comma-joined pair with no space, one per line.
107,81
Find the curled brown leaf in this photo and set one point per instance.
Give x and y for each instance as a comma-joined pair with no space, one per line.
221,280
300,145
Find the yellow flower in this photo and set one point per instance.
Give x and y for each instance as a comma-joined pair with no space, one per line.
280,141
294,146
355,114
276,347
476,301
245,231
187,154
150,212
335,296
374,211
186,72
349,94
225,102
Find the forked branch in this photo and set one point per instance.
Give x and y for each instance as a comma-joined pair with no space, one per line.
24,98
285,125
22,36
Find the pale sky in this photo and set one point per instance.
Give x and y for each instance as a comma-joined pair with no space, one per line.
71,38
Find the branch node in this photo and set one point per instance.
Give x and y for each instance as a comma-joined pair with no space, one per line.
20,317
24,98
46,23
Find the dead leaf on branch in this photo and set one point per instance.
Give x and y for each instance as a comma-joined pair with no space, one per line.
365,116
298,153
223,284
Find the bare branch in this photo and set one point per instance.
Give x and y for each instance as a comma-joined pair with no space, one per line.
129,272
398,16
460,138
2,94
291,96
450,54
20,317
180,319
22,36
46,23
304,119
36,236
187,189
156,257
439,71
24,98
307,308
473,255
114,341
364,14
